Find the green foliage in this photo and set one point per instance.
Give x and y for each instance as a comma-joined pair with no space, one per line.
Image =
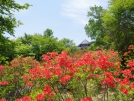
48,33
94,28
7,20
118,20
69,44
7,24
114,26
6,49
37,44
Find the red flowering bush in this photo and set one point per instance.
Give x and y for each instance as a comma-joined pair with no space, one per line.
12,85
95,75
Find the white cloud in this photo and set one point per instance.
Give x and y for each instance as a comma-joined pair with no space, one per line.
77,9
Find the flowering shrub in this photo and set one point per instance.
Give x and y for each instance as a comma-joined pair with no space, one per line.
12,85
96,75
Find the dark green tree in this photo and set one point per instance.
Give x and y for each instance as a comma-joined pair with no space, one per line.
94,29
48,33
118,20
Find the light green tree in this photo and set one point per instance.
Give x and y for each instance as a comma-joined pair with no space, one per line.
69,44
7,24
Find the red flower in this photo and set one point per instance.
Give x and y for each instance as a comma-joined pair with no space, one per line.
131,63
4,83
57,72
47,90
124,90
3,99
53,54
1,69
47,73
40,97
64,53
30,84
86,99
132,84
117,79
125,81
25,98
45,57
48,99
65,78
127,73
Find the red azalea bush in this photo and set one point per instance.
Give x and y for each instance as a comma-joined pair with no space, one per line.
95,75
12,84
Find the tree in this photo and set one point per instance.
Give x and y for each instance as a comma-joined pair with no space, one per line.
7,24
118,20
6,49
69,44
7,20
48,33
94,29
113,27
36,45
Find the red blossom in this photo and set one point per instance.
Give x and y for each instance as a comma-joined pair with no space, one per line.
65,78
3,99
1,69
45,57
34,72
125,81
132,84
109,81
4,83
40,97
64,53
131,63
47,90
48,99
86,99
30,84
124,90
127,73
117,79
25,98
46,73
53,54
57,72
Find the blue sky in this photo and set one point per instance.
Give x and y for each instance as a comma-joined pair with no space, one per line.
66,18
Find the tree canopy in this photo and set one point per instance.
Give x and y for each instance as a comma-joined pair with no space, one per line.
112,27
7,24
38,44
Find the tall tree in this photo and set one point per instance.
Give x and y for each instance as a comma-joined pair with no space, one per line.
118,20
113,27
7,24
94,29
